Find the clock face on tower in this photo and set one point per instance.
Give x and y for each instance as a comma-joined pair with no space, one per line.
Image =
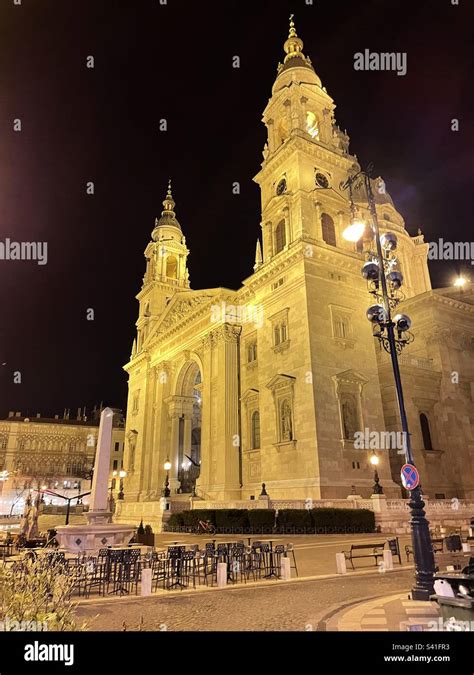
281,187
321,180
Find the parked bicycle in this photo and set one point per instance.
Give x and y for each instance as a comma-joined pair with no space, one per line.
206,527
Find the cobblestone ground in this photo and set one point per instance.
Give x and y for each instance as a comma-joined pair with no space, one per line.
296,606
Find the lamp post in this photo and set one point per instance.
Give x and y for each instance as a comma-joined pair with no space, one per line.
377,489
167,468
384,283
122,475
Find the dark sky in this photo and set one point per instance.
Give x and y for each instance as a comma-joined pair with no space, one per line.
175,62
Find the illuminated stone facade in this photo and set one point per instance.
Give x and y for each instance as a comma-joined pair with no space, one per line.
269,383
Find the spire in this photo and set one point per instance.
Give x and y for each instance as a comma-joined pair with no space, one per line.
294,45
258,256
168,215
168,202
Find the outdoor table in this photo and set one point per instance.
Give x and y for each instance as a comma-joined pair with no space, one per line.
272,572
175,543
178,562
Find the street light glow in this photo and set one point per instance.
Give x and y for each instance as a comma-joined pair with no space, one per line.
460,282
355,231
374,460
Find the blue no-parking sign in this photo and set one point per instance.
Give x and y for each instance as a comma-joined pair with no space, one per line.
410,476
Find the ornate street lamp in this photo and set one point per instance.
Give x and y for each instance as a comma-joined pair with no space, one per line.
384,283
377,489
122,475
167,468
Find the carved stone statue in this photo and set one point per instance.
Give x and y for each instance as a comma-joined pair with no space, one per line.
286,422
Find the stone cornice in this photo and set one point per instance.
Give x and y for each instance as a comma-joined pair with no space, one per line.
435,297
299,143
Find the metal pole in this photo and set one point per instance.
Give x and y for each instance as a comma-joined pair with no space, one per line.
421,539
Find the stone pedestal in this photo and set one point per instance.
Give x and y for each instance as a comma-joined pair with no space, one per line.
90,538
99,531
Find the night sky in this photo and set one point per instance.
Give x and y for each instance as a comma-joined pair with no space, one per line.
175,62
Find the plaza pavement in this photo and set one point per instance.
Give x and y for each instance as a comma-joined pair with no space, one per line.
298,605
302,605
389,613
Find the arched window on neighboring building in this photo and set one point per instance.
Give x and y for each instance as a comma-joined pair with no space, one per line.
280,237
425,430
171,267
329,231
255,440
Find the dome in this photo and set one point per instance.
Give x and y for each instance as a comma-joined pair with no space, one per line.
296,66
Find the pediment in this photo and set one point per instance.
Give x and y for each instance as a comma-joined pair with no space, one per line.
350,377
186,303
281,380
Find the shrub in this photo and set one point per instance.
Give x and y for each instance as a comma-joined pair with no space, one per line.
298,518
38,597
192,518
262,518
343,520
232,518
176,520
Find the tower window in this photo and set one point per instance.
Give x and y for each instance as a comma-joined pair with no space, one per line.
329,231
280,237
171,267
425,430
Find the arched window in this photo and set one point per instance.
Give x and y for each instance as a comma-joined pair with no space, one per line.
280,237
425,430
286,422
171,267
255,440
329,231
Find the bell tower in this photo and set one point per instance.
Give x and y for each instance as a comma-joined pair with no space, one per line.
166,270
306,156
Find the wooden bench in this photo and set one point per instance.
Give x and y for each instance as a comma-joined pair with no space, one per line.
376,551
436,545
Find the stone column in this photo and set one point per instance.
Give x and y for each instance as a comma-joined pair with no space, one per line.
174,452
227,485
188,427
99,507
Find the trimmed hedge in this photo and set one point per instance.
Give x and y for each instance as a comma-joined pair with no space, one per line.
343,520
231,518
299,518
292,521
262,518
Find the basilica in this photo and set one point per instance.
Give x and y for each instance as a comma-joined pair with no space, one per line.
271,383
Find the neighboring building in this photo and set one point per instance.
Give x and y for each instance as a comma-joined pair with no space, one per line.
270,383
57,454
